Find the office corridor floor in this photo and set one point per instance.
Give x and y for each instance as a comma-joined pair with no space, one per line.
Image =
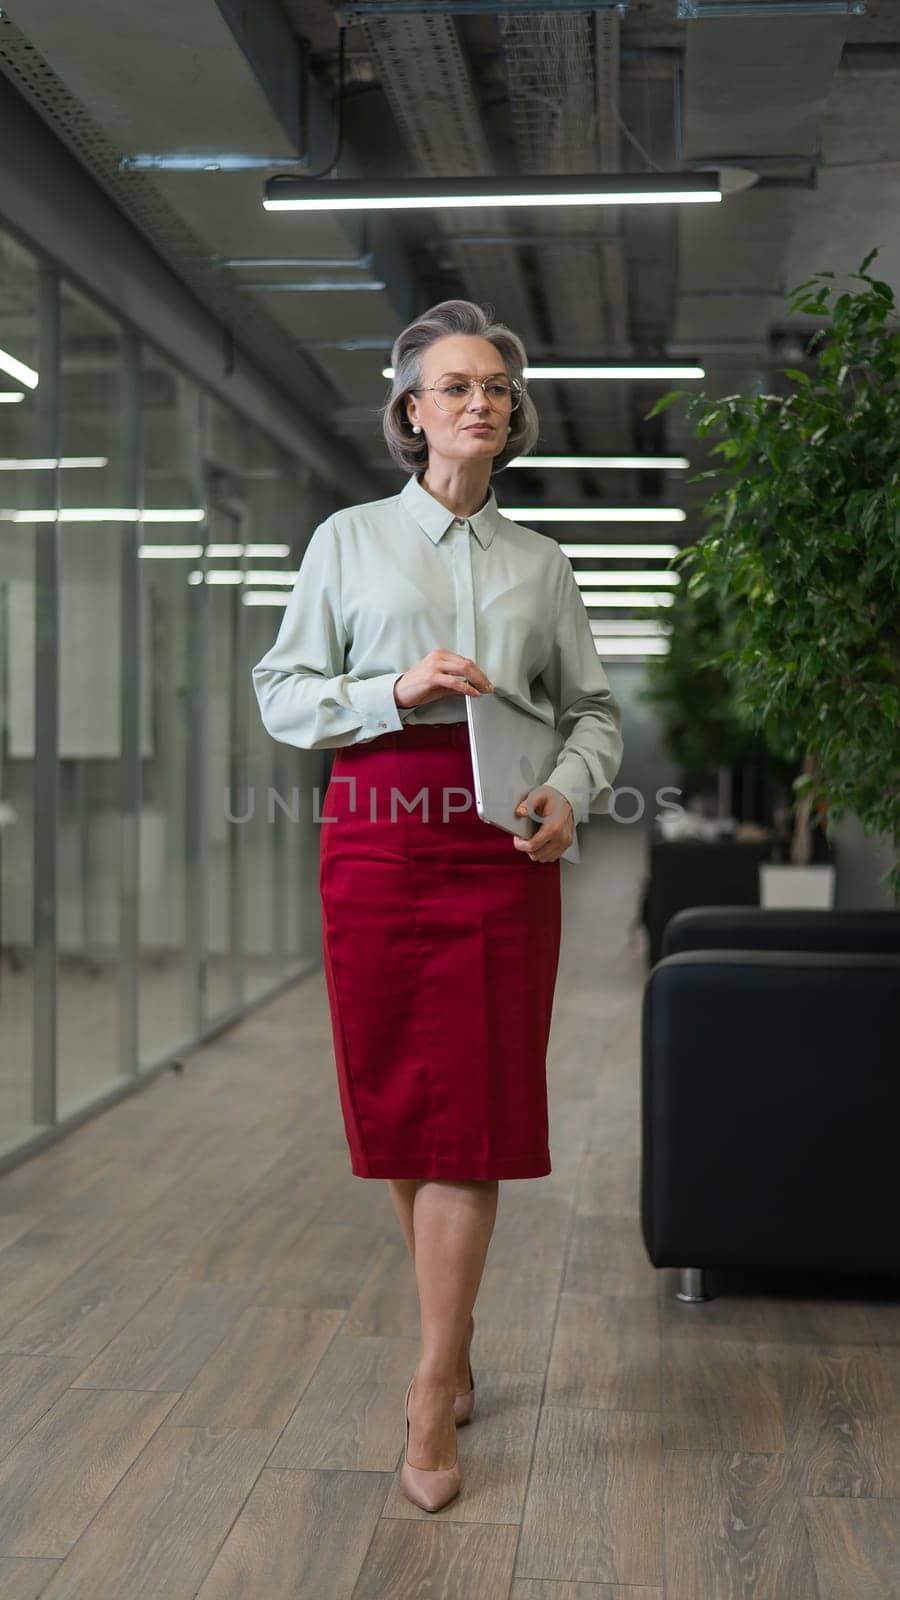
207,1326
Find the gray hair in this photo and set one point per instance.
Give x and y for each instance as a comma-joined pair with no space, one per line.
410,450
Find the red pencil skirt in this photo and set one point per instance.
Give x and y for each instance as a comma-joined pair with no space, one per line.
441,947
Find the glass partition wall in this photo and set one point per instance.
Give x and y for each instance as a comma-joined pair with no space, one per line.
25,483
158,850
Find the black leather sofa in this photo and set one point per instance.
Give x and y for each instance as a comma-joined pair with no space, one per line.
698,872
770,1093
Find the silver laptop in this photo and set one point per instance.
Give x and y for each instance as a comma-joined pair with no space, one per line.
512,752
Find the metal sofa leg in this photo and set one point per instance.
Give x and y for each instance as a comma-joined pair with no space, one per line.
691,1285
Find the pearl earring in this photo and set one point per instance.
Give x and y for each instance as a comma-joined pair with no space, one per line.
416,428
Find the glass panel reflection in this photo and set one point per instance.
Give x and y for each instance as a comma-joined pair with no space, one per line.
21,487
170,416
92,403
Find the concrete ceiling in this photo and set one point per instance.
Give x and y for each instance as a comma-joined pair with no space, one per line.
810,103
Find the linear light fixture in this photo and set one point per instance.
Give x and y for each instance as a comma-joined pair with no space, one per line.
218,161
49,463
265,579
319,285
613,369
588,580
194,552
636,597
605,463
235,551
632,626
347,11
170,552
689,9
608,369
319,262
10,397
595,513
264,597
288,193
628,551
103,514
632,647
18,370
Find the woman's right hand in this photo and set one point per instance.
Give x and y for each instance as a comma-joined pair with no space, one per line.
440,673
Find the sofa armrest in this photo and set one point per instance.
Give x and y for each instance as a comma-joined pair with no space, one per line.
756,928
770,1108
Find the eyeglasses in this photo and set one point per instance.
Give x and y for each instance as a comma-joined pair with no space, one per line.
454,393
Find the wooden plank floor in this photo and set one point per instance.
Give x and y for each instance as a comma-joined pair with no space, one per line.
207,1326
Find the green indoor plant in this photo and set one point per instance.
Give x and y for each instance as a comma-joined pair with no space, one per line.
803,549
694,699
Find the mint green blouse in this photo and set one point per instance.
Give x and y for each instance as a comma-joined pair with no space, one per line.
382,583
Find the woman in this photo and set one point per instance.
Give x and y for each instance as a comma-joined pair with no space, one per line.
441,932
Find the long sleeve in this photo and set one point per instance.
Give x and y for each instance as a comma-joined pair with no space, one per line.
305,697
590,717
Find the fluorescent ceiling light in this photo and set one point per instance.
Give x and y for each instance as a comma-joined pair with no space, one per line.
632,647
602,597
319,285
170,552
9,397
18,370
213,161
194,552
264,597
653,369
235,575
235,551
363,260
103,514
594,513
413,194
49,463
632,626
629,551
770,8
589,579
605,463
603,370
216,577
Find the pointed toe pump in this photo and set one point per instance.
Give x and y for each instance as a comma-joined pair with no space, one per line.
427,1488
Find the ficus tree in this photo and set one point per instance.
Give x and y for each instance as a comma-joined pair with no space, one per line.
693,696
803,549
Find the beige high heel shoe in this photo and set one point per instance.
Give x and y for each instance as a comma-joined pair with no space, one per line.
426,1487
464,1401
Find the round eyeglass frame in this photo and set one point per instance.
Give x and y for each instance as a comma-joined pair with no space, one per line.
517,391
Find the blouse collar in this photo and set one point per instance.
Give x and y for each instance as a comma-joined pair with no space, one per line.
434,518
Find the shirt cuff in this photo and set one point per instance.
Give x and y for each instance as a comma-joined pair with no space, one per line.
570,779
373,699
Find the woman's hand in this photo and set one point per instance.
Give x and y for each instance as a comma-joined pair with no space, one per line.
555,833
438,674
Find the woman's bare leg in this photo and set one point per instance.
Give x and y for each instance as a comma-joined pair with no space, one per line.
403,1193
452,1228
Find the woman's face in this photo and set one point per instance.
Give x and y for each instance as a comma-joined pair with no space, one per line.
450,434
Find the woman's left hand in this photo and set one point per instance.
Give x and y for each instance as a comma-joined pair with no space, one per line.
556,833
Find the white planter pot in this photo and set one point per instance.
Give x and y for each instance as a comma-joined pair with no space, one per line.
807,888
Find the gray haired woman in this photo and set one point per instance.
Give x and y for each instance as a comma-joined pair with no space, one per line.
440,932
